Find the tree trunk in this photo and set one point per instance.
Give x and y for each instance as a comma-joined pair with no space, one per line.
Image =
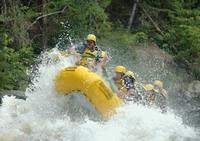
44,30
132,14
151,20
4,7
90,24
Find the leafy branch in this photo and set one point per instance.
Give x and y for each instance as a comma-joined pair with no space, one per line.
46,15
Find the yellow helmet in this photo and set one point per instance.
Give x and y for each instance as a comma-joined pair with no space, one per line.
120,69
158,83
130,73
91,37
149,87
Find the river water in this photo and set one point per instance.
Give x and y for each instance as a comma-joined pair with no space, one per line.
47,116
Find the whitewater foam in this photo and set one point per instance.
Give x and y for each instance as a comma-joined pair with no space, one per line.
45,116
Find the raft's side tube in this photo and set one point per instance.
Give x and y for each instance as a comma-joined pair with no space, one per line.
73,79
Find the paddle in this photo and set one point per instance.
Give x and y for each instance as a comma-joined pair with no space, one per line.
105,73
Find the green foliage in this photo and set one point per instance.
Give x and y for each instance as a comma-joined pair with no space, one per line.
187,43
13,67
18,39
141,37
190,59
125,39
179,20
187,37
84,16
16,53
19,42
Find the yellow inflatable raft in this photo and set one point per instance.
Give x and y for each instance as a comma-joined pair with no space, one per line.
80,79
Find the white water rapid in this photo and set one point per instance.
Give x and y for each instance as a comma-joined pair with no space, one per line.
46,116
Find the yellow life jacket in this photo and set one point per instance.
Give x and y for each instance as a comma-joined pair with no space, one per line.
120,86
89,57
151,97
